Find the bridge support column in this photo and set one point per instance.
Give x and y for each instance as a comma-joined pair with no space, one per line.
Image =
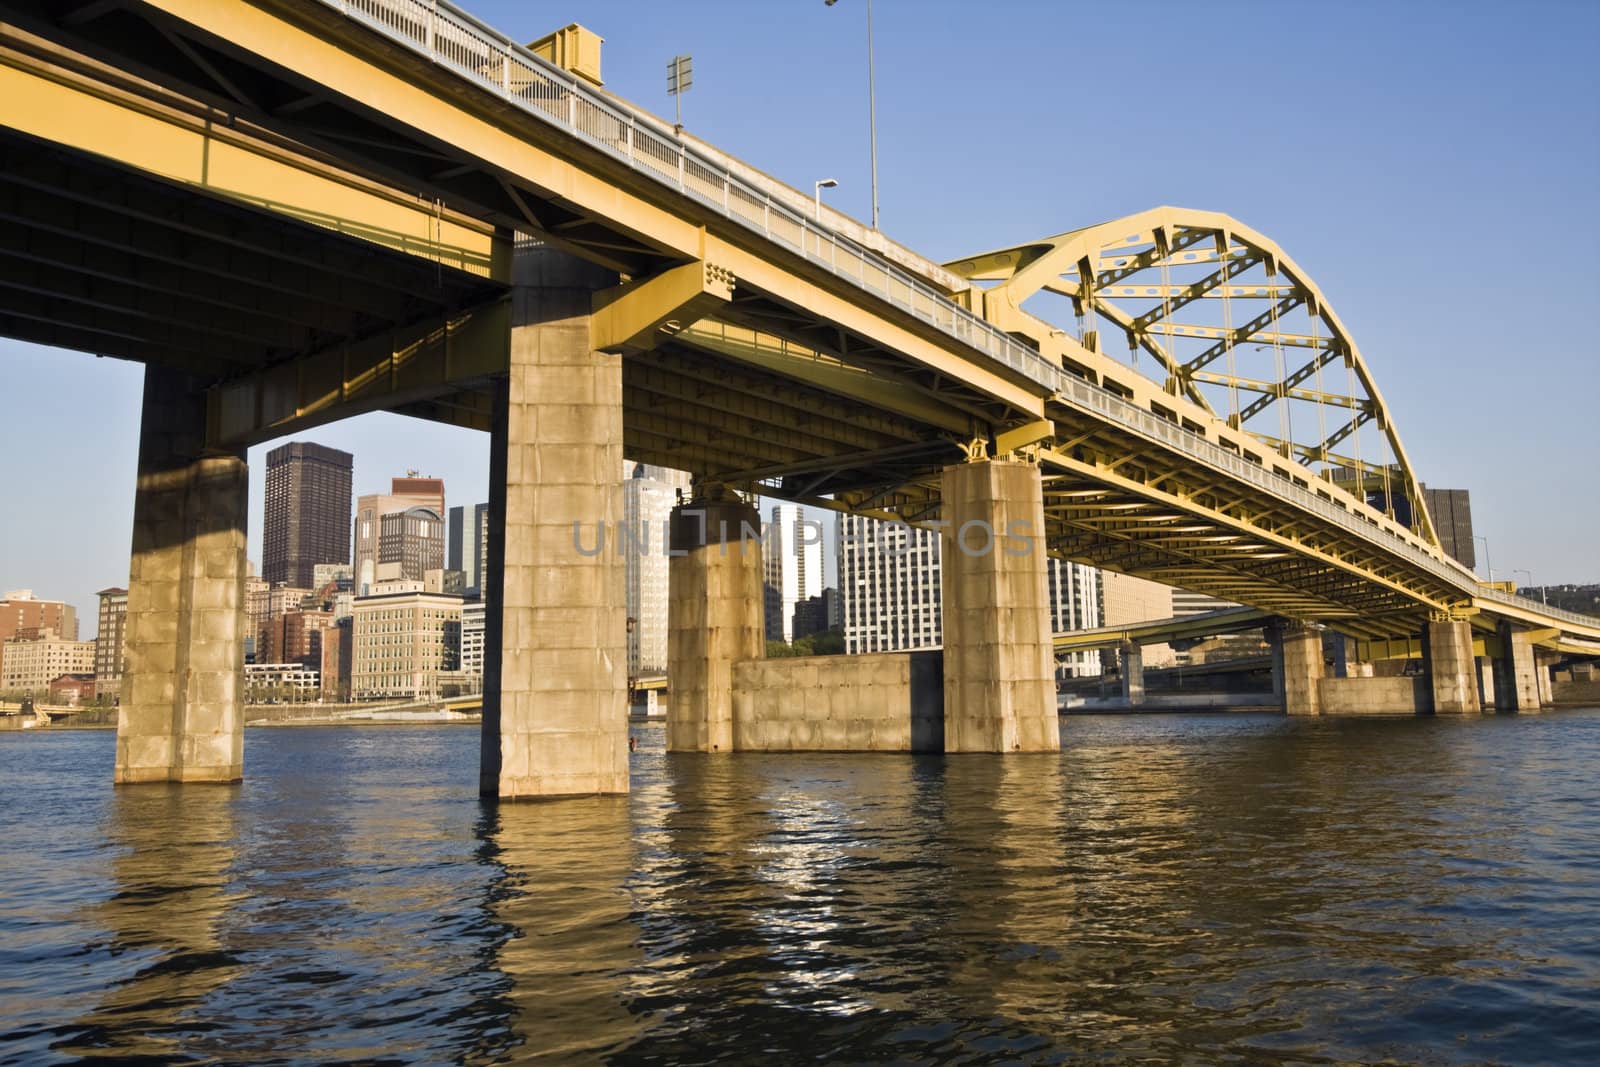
1451,669
1516,672
1484,668
182,717
555,703
1300,662
1131,663
714,618
999,686
1544,663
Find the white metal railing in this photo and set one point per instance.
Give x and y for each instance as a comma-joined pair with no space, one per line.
453,39
1529,604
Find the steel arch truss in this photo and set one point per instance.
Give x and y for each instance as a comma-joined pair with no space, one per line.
1218,314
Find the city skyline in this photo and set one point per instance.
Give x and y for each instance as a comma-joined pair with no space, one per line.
1482,122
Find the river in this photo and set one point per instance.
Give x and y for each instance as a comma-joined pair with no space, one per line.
1169,888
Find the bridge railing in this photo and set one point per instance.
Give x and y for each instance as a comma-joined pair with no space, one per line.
1528,603
450,37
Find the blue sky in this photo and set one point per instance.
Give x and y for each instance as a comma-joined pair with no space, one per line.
1435,167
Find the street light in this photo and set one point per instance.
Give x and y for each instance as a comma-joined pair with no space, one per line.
826,183
1486,562
1543,596
872,109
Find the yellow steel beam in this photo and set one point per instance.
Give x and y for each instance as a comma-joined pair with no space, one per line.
813,368
640,314
475,127
152,133
1022,436
1211,624
389,369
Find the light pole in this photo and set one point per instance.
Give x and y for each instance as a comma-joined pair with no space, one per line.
872,109
826,183
1543,596
1486,562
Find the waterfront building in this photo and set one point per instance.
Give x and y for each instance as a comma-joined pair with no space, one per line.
337,651
408,492
292,682
72,690
648,495
108,638
469,544
24,615
32,662
403,638
793,561
414,539
306,514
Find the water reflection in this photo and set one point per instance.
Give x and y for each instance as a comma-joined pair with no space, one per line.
173,848
1173,889
571,946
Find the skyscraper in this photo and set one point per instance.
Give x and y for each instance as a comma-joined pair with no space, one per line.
469,540
108,642
413,538
793,565
306,520
890,589
408,492
888,585
648,495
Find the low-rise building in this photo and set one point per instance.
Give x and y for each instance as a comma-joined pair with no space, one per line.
32,663
72,690
24,615
266,683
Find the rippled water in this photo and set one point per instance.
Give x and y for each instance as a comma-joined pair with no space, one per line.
1201,889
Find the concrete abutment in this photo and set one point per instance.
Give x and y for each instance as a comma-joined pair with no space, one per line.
715,618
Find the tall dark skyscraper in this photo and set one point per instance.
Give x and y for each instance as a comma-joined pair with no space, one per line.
307,519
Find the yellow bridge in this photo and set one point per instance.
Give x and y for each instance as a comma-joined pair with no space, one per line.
293,211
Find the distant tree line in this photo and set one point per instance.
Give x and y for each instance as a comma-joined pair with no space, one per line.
826,643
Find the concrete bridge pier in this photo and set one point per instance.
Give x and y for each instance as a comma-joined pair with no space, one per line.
1544,663
1484,670
1516,681
1298,663
555,702
1452,672
715,617
1131,663
999,681
182,716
